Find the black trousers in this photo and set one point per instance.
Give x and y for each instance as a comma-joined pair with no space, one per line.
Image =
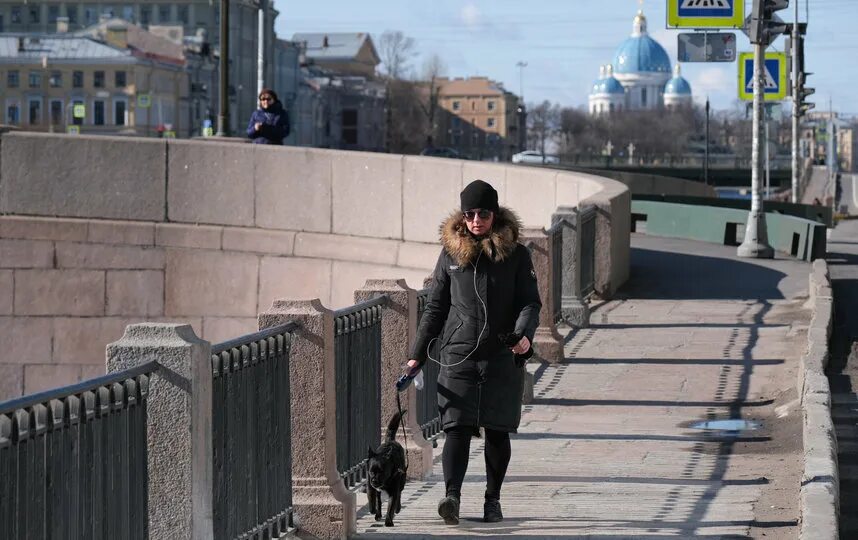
455,456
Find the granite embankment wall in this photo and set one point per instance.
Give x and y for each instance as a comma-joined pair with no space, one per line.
97,233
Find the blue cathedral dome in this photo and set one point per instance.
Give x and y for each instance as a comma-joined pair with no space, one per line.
677,86
641,53
607,83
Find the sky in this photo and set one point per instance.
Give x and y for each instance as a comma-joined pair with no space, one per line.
564,42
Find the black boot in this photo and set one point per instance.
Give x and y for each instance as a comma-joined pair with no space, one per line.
448,508
492,511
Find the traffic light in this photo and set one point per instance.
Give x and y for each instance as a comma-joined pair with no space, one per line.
801,105
764,26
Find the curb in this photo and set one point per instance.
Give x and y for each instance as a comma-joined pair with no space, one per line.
820,481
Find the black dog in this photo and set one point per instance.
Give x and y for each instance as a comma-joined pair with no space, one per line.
387,473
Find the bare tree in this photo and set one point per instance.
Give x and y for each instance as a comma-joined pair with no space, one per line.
433,69
543,124
396,50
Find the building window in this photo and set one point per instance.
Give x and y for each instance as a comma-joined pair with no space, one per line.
145,14
490,105
71,13
119,108
457,105
119,79
13,114
90,16
350,126
457,123
183,15
35,79
35,14
98,112
35,112
98,79
128,13
107,11
490,122
163,13
56,112
473,105
77,79
56,79
643,97
12,79
475,138
53,13
15,14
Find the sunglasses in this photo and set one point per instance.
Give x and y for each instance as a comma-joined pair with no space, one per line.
266,98
471,214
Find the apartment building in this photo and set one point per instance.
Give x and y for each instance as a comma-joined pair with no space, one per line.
478,118
193,17
129,83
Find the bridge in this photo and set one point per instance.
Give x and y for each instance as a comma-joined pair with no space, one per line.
255,306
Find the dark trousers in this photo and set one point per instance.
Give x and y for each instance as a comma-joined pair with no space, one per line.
454,458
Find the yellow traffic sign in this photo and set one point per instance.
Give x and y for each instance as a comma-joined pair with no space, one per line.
144,101
73,130
705,13
774,78
79,110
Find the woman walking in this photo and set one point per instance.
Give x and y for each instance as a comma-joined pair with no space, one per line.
482,312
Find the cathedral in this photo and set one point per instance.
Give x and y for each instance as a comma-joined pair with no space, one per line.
639,78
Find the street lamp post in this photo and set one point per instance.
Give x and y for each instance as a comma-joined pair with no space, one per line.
223,113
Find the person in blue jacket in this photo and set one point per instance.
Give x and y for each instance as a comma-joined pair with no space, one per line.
269,124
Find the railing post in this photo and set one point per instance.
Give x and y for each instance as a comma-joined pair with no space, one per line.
398,330
323,507
547,343
575,311
179,420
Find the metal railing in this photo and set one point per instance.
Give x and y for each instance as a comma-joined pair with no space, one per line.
73,460
252,435
555,233
587,273
357,353
428,416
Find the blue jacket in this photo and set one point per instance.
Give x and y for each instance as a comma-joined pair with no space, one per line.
275,125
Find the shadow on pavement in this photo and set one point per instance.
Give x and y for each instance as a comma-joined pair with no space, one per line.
677,276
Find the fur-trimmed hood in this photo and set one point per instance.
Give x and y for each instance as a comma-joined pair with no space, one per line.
497,245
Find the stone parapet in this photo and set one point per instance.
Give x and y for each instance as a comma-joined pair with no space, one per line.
547,343
323,507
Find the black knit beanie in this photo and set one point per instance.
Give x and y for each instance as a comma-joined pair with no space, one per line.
479,194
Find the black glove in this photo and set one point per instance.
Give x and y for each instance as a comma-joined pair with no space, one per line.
511,340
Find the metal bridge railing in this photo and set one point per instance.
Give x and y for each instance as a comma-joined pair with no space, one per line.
252,435
73,460
587,273
357,353
428,416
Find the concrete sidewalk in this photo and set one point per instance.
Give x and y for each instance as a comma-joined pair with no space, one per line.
609,449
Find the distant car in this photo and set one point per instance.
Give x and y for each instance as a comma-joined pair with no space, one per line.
532,156
441,151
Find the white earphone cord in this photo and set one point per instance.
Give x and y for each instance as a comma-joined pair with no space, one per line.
485,323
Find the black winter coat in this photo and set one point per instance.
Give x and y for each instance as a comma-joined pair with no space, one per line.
479,383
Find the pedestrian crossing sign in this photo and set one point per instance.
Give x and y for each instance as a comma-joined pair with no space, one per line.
705,13
774,78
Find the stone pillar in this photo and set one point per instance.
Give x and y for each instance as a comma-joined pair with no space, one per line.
547,343
574,309
179,425
324,508
398,330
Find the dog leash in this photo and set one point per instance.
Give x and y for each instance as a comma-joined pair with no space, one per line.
404,433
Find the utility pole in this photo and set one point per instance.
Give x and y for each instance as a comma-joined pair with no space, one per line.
795,107
762,32
706,155
223,113
260,55
521,65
